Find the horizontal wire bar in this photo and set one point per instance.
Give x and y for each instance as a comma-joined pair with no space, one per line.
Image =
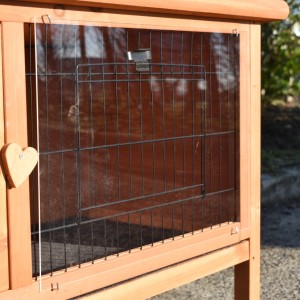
133,211
142,197
137,142
129,73
137,80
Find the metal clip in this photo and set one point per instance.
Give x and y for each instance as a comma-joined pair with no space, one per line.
48,17
141,58
234,230
54,288
235,32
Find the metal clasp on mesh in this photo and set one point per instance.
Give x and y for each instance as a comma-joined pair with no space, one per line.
141,58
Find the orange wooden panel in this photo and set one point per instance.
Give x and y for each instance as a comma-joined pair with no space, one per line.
247,274
243,9
245,127
15,112
4,282
170,278
104,273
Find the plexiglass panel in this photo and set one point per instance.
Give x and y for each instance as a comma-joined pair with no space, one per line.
137,133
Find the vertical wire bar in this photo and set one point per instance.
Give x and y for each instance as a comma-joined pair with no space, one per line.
32,190
152,114
141,132
129,234
173,225
205,130
141,120
183,104
203,151
173,109
228,126
38,149
236,43
163,223
104,121
117,116
105,149
47,143
182,218
118,238
141,232
193,110
78,158
193,125
62,146
152,229
220,122
129,116
211,118
91,154
163,112
105,238
163,131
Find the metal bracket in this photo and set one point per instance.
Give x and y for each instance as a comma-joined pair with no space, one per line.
141,58
54,288
45,17
235,32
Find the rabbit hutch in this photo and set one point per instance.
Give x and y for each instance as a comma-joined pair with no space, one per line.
130,136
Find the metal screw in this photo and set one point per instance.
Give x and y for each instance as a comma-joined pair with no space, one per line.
22,155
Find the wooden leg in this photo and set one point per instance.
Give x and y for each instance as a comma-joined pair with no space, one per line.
247,280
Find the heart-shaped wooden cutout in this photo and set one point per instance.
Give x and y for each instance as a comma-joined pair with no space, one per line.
18,163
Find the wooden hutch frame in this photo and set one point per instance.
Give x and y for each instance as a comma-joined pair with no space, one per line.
235,245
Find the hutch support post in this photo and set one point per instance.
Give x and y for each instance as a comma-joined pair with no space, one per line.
15,120
247,274
4,284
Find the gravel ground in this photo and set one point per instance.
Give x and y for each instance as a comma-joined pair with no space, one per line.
280,261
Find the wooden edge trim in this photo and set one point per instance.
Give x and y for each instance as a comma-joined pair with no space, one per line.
30,12
255,10
15,116
255,187
118,269
170,278
4,281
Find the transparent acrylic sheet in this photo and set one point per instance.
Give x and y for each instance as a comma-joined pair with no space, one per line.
137,138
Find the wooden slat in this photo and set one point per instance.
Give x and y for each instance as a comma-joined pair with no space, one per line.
109,18
4,281
244,128
159,282
16,131
247,274
256,10
103,273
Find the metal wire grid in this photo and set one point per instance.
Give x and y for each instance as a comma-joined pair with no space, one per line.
133,212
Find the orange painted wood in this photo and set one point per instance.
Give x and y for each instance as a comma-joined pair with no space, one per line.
245,129
103,273
4,280
161,281
256,10
247,274
84,16
18,163
93,276
15,112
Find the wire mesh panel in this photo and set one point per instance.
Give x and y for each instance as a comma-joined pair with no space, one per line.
137,133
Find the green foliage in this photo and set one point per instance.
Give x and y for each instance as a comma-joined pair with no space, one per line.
281,56
273,161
